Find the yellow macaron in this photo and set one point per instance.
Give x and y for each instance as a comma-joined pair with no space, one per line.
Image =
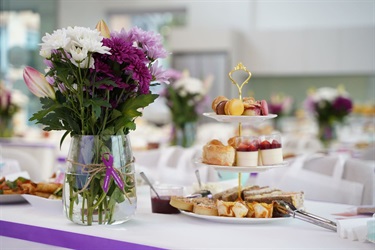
234,107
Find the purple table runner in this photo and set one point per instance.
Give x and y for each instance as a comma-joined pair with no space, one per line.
64,239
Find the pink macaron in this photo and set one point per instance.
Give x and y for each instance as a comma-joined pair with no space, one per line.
264,107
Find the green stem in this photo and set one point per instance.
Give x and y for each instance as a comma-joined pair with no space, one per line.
106,112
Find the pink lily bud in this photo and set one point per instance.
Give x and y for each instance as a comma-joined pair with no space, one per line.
103,28
37,83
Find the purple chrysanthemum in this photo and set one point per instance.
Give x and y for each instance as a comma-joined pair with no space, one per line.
150,43
275,108
142,75
123,51
342,104
159,74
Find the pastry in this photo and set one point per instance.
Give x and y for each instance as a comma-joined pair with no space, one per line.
216,153
205,206
220,108
234,107
271,152
182,203
247,151
215,104
264,107
260,210
254,108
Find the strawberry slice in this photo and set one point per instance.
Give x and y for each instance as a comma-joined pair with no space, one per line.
275,144
265,145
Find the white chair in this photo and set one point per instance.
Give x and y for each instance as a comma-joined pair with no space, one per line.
36,157
29,164
176,166
325,178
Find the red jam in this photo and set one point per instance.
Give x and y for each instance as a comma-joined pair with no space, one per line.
162,205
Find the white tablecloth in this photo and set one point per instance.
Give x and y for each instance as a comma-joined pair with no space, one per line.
183,232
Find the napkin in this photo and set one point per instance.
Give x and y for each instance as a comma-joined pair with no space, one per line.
355,229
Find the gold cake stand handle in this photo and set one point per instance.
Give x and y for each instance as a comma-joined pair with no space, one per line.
239,66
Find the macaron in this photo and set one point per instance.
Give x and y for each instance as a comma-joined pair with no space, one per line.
264,107
252,111
234,107
216,101
220,108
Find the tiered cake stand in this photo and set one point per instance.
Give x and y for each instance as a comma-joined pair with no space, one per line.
254,120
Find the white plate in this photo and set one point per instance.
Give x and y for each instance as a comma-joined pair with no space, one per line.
235,220
11,198
44,203
236,169
240,118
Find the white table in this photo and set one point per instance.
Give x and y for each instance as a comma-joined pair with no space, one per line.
152,231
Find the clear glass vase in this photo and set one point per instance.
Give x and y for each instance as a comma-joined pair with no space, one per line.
6,127
327,133
184,135
99,186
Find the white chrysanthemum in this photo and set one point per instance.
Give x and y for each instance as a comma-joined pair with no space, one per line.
190,85
58,39
88,62
78,54
326,94
88,39
45,52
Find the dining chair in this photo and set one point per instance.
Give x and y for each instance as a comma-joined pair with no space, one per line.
331,178
29,164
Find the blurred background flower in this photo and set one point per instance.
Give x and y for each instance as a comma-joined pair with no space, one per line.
186,99
281,105
329,107
11,102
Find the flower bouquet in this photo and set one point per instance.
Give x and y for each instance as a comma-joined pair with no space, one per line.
329,106
95,85
8,108
186,98
281,105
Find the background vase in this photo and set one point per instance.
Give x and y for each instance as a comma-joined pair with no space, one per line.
184,135
327,133
6,127
87,199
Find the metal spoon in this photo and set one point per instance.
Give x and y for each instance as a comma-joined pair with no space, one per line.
287,208
149,183
203,192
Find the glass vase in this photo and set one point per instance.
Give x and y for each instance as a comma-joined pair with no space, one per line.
184,135
99,186
327,133
6,127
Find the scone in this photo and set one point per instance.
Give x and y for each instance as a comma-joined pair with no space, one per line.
216,153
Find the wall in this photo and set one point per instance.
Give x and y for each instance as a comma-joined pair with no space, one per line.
280,37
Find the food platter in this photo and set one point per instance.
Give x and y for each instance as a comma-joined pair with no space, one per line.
242,169
239,118
234,220
11,199
52,205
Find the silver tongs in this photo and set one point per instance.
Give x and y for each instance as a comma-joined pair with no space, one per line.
289,209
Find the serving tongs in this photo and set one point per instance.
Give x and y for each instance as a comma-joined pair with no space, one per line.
287,208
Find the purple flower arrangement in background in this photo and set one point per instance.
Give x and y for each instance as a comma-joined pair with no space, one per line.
280,104
8,108
329,105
